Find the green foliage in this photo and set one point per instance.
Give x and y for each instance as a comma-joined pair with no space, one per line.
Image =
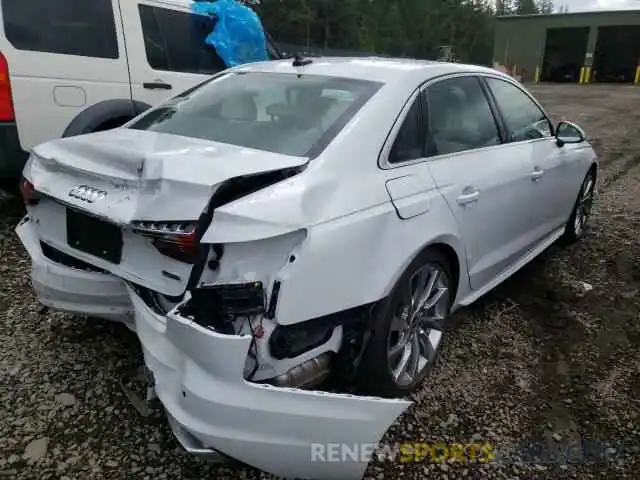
412,28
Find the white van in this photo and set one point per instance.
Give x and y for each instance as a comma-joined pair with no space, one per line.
69,67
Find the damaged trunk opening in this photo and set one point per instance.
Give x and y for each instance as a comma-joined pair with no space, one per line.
249,308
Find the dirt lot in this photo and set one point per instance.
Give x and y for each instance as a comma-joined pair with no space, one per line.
543,359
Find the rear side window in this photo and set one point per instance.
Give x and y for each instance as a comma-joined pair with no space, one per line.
70,27
460,117
523,118
174,41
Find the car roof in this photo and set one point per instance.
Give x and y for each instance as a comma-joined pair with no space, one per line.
377,69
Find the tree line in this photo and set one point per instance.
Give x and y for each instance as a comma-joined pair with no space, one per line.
406,28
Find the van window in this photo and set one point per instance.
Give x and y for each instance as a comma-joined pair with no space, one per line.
174,41
69,27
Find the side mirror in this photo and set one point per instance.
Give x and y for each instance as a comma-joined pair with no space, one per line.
567,132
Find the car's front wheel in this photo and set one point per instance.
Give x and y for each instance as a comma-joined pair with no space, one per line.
409,327
577,224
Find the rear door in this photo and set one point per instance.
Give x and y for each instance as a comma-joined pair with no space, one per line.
63,56
485,182
167,48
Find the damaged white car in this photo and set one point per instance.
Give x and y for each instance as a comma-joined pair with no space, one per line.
290,225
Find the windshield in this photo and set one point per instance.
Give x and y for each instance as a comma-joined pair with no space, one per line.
282,113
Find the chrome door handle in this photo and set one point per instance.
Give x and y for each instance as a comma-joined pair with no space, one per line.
537,174
469,197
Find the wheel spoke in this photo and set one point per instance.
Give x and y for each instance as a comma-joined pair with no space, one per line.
401,368
422,281
433,301
413,367
425,344
397,349
433,322
428,290
587,190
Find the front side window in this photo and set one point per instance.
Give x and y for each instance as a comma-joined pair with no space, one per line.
459,117
524,119
70,27
175,41
275,112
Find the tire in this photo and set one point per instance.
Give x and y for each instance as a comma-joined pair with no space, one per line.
579,219
392,328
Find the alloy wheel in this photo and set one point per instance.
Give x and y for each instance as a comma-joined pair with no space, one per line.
418,323
583,208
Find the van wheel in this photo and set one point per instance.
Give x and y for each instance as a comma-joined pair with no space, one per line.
110,124
409,328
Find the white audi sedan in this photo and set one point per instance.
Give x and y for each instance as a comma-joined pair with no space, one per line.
289,239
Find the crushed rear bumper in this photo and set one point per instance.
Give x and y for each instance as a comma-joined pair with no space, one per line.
213,410
72,290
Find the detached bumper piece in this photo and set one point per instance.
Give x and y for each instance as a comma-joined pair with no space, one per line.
212,409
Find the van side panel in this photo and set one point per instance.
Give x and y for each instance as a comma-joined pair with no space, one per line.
64,57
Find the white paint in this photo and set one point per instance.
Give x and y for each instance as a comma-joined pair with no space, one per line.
352,226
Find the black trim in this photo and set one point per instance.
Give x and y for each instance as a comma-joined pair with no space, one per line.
495,110
156,86
66,260
273,300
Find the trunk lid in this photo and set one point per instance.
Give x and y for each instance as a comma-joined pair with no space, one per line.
124,176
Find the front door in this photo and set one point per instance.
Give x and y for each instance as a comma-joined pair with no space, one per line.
166,49
486,183
551,176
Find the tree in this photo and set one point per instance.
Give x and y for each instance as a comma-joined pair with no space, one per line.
415,28
504,7
546,6
526,7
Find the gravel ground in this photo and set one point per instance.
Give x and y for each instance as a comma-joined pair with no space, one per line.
542,359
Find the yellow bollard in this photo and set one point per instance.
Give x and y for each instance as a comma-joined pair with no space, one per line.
637,79
587,75
581,81
536,77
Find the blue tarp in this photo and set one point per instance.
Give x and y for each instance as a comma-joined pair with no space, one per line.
238,35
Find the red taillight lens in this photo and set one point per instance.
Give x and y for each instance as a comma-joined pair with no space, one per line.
6,101
176,240
28,192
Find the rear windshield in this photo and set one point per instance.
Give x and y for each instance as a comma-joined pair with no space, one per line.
282,113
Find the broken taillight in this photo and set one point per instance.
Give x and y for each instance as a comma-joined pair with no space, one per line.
176,240
28,192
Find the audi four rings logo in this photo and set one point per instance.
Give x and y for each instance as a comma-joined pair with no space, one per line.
87,194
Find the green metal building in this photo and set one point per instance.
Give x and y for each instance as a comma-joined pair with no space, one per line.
573,47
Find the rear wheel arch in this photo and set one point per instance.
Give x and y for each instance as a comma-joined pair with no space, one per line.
446,246
451,255
104,115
